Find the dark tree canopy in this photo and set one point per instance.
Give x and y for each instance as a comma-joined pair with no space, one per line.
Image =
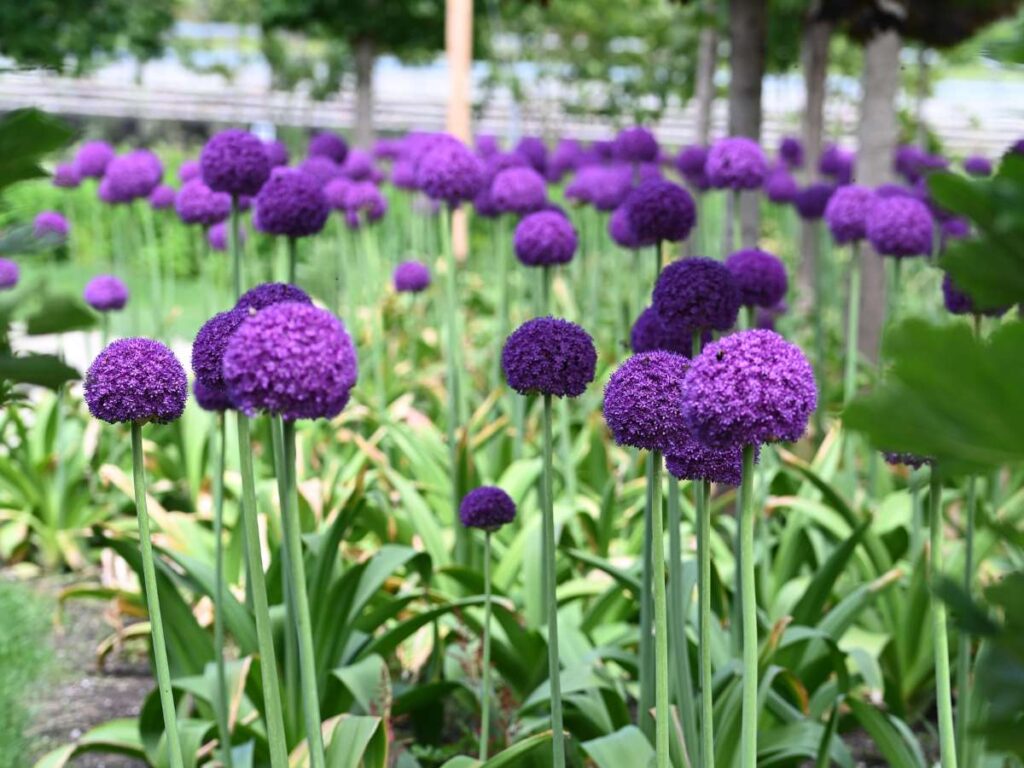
935,23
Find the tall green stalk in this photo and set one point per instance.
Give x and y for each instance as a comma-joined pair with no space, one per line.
451,349
264,629
304,626
156,624
223,728
485,683
293,260
963,659
943,692
554,663
236,249
852,326
661,706
748,517
647,671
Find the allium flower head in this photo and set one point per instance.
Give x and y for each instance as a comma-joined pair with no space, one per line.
487,507
162,197
636,145
293,360
519,190
9,274
136,380
810,201
549,356
660,211
621,231
765,317
846,213
567,156
487,145
292,204
336,193
760,277
642,401
837,164
411,277
358,166
92,159
697,294
780,186
736,163
900,227
50,224
276,152
689,459
219,237
791,152
131,176
749,388
329,145
911,460
365,201
105,293
960,303
651,332
976,165
210,343
196,203
189,170
235,162
535,151
449,172
321,168
66,176
604,187
266,294
210,398
692,164
545,238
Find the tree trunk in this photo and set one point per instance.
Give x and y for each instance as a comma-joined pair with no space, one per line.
704,88
365,59
748,29
876,139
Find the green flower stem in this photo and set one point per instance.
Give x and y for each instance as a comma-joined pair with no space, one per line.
293,260
963,661
264,629
485,695
852,325
223,727
943,693
748,747
163,670
677,605
545,290
554,664
647,697
661,706
297,574
451,349
236,249
104,329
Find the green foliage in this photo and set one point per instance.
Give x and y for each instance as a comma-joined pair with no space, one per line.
23,652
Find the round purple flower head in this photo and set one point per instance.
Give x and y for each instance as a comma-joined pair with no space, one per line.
956,228
450,172
293,360
92,159
535,151
837,164
336,193
621,231
651,332
749,388
900,226
1017,148
698,294
568,156
689,459
162,197
266,294
292,204
66,176
364,197
328,144
9,274
519,190
131,176
488,508
235,162
136,380
846,213
358,166
911,460
210,398
486,144
660,211
636,145
189,170
545,238
321,168
692,163
603,187
791,152
218,236
549,356
105,293
960,303
736,163
976,165
765,317
811,201
780,186
760,277
411,277
276,152
50,224
641,401
196,203
210,343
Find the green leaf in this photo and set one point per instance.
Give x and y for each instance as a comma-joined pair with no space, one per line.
44,370
897,745
60,314
114,737
812,603
512,757
26,136
627,746
357,742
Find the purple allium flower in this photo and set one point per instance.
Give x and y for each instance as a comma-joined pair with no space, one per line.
791,152
603,187
210,343
136,380
535,151
568,156
196,203
50,224
780,186
487,145
911,460
9,274
292,204
276,152
411,277
162,197
760,277
913,163
900,226
765,317
549,356
336,193
219,237
358,166
960,303
642,401
893,190
403,174
846,213
976,165
1017,148
956,228
519,190
267,294
487,507
692,163
189,170
621,231
736,163
749,388
659,211
235,162
364,197
66,176
651,332
689,459
321,168
293,360
92,159
811,201
210,398
329,145
837,164
105,293
131,176
697,294
636,145
450,172
545,238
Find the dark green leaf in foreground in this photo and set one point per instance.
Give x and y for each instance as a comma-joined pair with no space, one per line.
44,370
26,136
60,314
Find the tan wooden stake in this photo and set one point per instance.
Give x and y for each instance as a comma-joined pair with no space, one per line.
459,45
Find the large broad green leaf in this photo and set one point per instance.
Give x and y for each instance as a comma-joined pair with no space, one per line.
358,742
894,740
26,135
627,746
44,370
60,314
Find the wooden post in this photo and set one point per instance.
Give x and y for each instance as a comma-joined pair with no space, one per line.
459,46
